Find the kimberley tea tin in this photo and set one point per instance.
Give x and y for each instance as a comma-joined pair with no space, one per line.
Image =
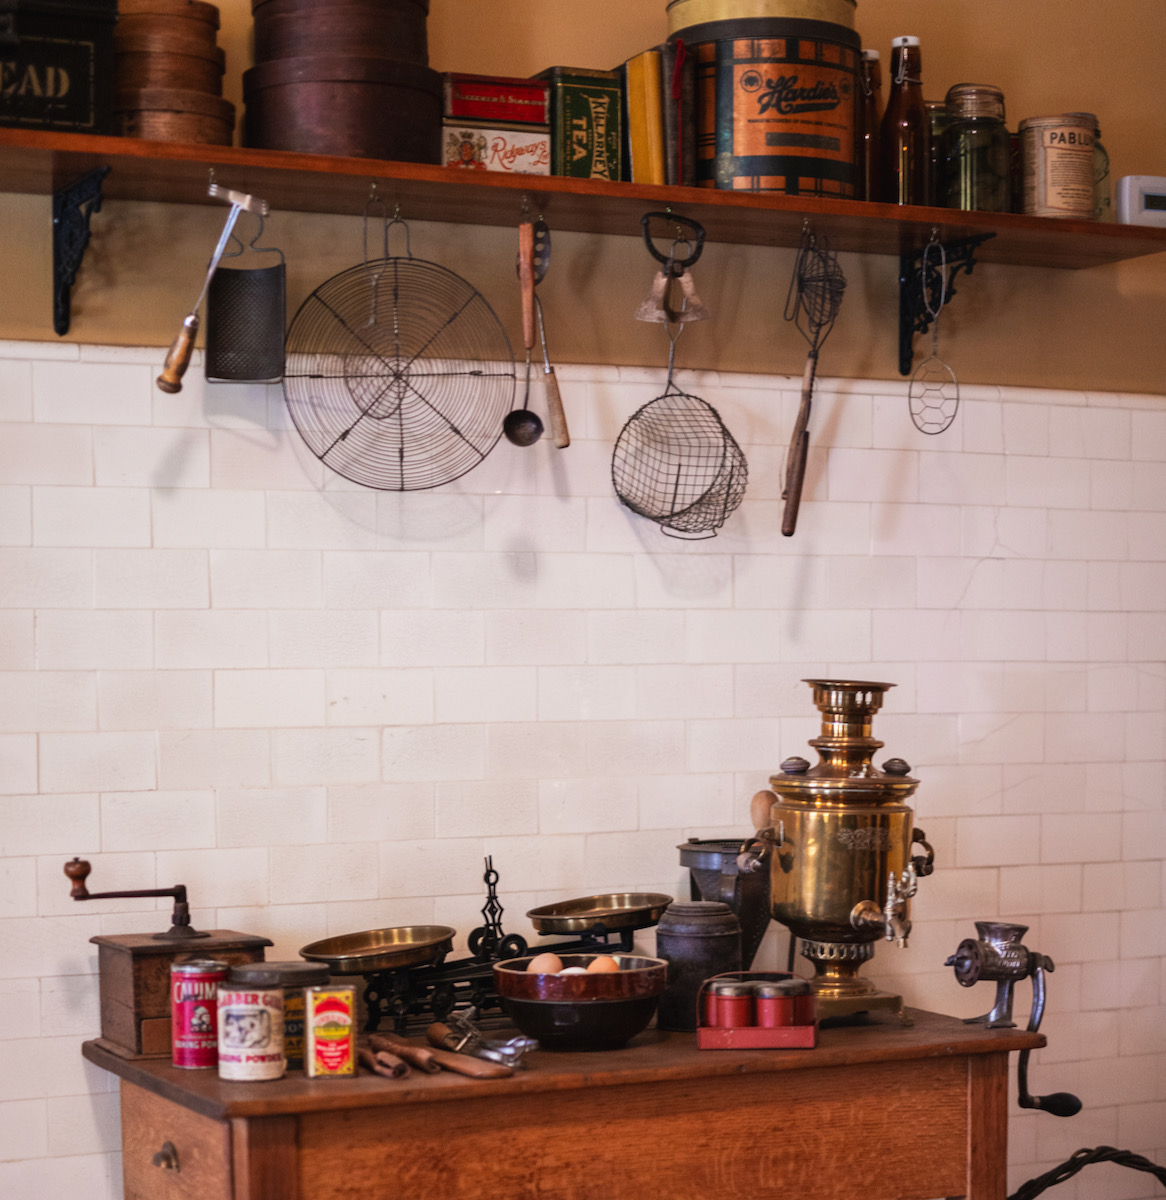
250,1033
329,1031
194,1038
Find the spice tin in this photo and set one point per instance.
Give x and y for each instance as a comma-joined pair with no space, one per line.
194,1037
329,1031
1057,166
496,99
480,146
787,1002
250,1032
586,122
729,1005
292,977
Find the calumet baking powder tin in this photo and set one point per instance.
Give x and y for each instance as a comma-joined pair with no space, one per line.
194,1037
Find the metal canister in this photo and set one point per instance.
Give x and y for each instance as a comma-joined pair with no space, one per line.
782,1002
292,977
777,85
730,1004
1057,166
329,1031
194,1038
700,939
250,1032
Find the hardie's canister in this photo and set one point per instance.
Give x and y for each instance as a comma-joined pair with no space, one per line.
700,939
777,93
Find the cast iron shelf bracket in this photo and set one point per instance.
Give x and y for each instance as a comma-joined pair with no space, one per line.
72,208
914,316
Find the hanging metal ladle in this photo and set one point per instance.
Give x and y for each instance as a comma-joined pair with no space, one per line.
522,426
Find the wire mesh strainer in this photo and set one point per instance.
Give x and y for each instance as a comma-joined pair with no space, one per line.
674,461
398,373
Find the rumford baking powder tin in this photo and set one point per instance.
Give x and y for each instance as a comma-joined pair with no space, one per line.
250,1033
480,146
329,1031
1057,166
194,1039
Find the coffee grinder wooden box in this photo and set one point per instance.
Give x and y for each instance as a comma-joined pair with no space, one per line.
134,972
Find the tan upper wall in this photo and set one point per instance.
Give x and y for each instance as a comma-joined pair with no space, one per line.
1099,328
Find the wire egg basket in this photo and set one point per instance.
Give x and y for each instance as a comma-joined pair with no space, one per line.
398,373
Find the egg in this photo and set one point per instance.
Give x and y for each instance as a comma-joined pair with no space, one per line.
573,971
545,964
602,964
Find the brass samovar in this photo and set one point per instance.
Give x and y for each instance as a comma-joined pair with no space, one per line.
836,838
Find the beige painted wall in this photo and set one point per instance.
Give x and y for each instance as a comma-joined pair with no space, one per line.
1099,328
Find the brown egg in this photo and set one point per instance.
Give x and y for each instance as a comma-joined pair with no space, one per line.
545,964
602,964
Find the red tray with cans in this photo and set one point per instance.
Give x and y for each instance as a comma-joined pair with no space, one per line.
756,1010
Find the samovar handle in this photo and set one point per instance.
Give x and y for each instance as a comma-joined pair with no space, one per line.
924,864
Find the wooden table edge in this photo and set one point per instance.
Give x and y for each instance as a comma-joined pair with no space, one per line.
202,1092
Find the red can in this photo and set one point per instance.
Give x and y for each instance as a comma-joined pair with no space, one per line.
194,1026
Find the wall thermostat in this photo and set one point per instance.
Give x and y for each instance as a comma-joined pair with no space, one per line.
1141,200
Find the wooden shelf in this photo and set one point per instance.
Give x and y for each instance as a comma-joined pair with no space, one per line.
171,172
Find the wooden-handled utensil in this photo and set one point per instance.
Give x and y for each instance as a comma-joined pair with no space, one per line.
460,1064
521,426
382,1062
178,356
420,1057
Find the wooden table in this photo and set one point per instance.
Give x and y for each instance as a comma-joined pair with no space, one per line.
882,1112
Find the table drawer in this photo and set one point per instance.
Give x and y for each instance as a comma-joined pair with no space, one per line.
201,1159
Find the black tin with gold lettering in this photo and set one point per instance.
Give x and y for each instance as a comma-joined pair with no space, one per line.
56,64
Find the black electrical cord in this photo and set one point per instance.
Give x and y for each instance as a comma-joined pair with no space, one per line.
1082,1159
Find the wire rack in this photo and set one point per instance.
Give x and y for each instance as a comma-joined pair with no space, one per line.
398,374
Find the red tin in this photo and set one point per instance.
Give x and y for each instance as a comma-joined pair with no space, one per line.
194,1037
497,99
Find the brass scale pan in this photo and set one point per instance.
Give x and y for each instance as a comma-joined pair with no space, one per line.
415,945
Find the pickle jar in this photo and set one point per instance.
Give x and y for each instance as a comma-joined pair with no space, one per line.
974,160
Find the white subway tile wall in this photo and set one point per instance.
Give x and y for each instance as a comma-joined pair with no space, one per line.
320,706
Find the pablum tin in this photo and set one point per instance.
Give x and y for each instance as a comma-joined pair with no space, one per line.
250,1033
194,1039
1057,166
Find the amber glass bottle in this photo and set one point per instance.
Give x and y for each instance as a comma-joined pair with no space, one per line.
870,120
904,150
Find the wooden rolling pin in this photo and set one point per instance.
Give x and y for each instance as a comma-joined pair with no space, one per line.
461,1064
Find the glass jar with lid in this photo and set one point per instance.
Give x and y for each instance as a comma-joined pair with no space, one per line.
974,161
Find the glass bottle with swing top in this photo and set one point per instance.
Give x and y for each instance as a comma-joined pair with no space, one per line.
904,140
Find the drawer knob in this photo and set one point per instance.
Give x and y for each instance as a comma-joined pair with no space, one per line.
167,1157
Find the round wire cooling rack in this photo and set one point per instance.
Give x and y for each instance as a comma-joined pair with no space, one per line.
398,373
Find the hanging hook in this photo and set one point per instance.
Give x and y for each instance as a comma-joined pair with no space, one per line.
935,242
375,201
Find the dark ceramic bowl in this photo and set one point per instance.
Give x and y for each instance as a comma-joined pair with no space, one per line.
582,1012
